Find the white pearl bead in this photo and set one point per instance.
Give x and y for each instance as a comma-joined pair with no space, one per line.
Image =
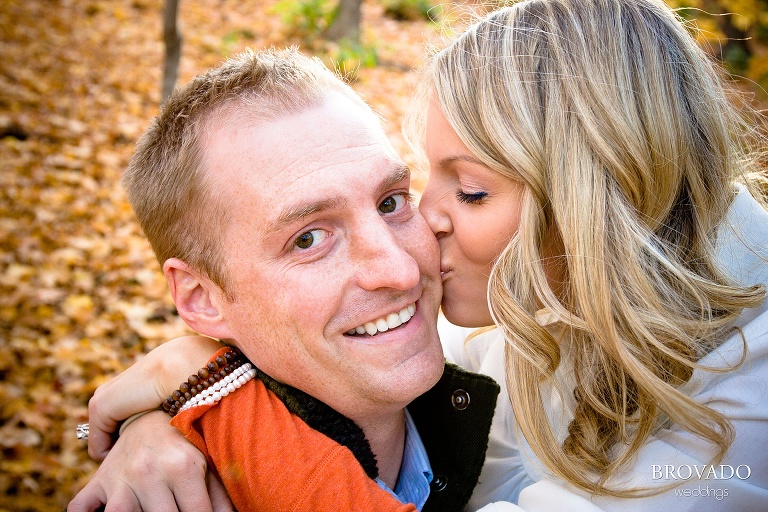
222,387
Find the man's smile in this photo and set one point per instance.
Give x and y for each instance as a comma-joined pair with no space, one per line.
391,321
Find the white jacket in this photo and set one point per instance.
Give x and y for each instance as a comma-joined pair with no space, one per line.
740,484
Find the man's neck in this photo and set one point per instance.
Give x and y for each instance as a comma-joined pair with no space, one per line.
387,439
384,430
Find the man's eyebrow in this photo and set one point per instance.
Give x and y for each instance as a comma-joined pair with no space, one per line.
302,210
400,173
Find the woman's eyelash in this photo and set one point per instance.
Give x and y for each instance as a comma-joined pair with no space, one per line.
474,198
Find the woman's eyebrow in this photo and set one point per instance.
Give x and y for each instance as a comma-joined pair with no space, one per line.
445,162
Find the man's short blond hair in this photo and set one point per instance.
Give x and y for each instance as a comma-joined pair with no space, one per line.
166,181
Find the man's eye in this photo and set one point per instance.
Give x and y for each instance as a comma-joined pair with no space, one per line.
311,238
393,203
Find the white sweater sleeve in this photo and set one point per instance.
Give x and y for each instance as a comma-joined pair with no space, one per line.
740,483
545,496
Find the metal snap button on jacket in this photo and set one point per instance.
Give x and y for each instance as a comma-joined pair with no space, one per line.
460,399
439,483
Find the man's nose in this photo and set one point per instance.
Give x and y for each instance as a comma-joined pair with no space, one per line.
384,258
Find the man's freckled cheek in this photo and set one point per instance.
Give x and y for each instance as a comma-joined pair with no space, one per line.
420,243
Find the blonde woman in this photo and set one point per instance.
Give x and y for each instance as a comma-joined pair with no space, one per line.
586,153
588,189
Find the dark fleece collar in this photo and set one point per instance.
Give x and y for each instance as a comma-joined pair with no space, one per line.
326,420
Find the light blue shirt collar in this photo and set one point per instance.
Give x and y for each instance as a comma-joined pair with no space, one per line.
415,471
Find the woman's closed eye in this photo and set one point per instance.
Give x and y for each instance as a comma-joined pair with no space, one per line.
471,198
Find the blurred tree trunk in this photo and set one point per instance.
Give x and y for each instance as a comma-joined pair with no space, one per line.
346,24
172,38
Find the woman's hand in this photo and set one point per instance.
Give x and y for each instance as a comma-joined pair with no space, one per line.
144,386
153,468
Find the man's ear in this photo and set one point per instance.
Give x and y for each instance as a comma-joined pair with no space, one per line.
198,299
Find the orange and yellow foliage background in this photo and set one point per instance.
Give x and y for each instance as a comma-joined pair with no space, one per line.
81,295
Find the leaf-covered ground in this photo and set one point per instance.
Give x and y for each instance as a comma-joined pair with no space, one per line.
81,296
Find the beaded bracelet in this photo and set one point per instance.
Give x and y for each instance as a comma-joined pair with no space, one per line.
222,388
218,374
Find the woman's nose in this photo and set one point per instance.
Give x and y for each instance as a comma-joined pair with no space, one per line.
434,209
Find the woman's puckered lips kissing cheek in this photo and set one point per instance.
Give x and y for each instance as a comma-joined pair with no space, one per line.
474,212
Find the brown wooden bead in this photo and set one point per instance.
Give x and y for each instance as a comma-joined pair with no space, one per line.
211,373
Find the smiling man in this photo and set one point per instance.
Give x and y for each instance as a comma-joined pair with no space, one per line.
282,218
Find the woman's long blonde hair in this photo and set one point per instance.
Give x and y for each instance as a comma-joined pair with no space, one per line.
621,130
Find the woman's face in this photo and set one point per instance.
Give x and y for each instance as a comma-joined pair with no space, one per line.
474,213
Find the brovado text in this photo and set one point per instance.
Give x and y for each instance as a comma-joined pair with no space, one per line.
700,471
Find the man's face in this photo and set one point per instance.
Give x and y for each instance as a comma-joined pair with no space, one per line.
324,244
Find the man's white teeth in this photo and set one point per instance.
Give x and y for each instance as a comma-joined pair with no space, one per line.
391,321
